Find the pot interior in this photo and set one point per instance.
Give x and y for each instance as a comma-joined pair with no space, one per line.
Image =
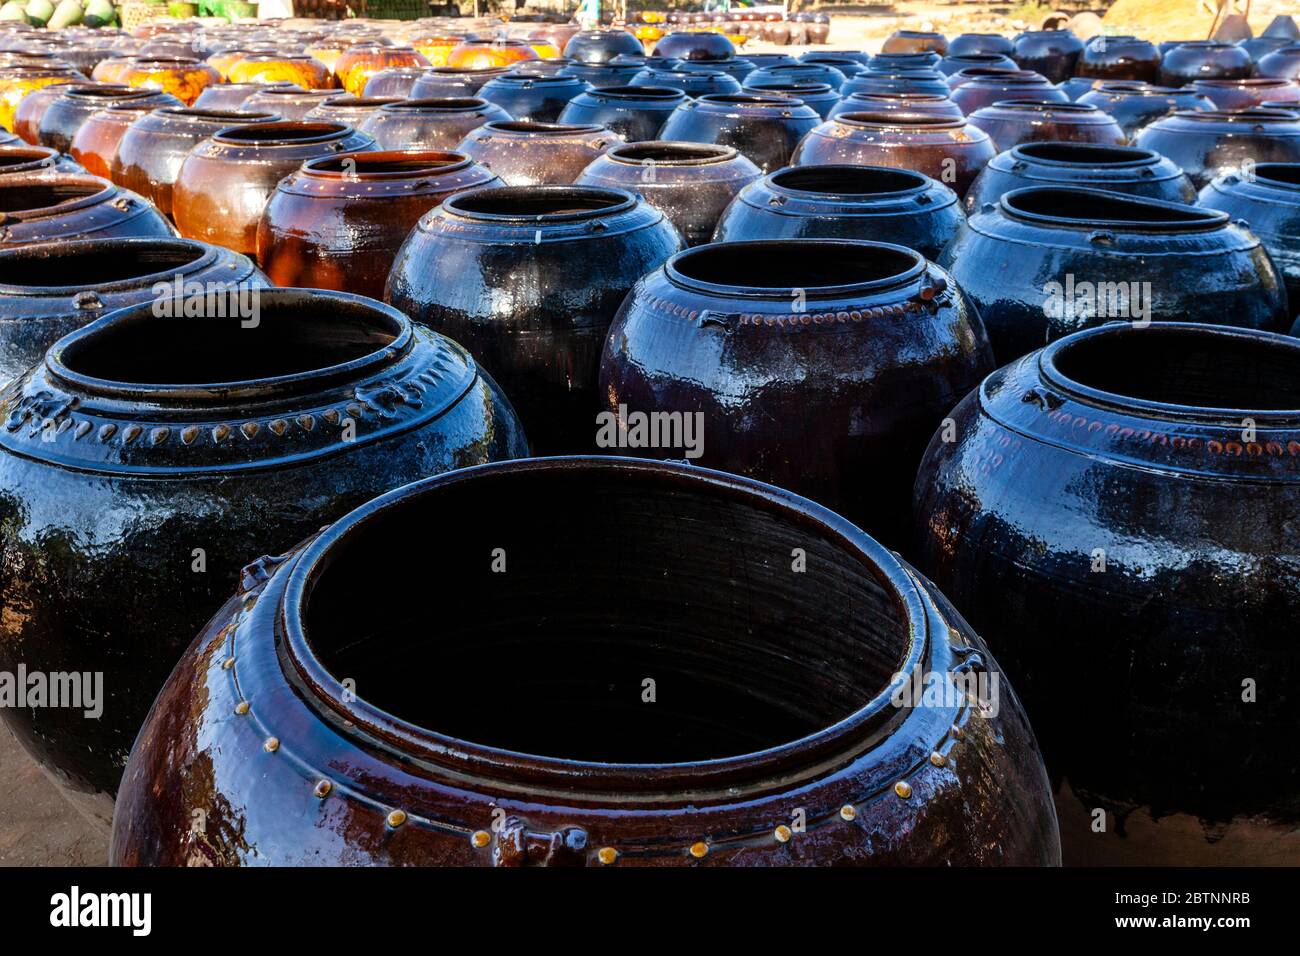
846,180
1282,174
1087,154
538,204
665,153
33,195
617,580
1089,206
794,264
94,263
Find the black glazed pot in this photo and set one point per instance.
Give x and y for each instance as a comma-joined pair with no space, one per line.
1118,507
1268,199
1053,53
1136,105
114,481
695,45
1010,123
846,65
634,112
1046,261
430,124
975,89
601,46
930,104
1121,169
955,64
1119,58
49,206
845,202
63,117
690,183
443,81
819,96
50,289
22,158
1207,60
1282,64
801,72
821,366
794,693
527,97
1261,46
974,44
909,81
766,129
902,62
1212,143
603,74
697,82
397,82
528,279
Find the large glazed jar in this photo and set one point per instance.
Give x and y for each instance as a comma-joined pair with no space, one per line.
302,71
858,771
448,81
150,153
528,279
228,96
820,96
96,142
1122,501
439,123
291,102
1119,58
1208,60
605,74
357,64
1268,199
225,181
348,109
972,44
696,45
822,366
114,478
915,41
692,82
1010,123
982,87
949,150
45,206
475,54
52,288
1121,169
338,221
601,46
1214,142
956,64
909,81
528,97
22,158
634,112
1283,63
18,80
524,154
1248,93
27,117
765,129
690,183
845,202
801,72
1135,105
61,120
1046,261
184,79
395,81
932,104
1053,53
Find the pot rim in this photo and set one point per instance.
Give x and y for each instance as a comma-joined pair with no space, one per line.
102,189
34,157
422,162
206,256
745,100
1253,114
425,743
1194,218
777,182
437,104
228,117
619,201
899,119
1261,175
810,87
689,153
249,134
1141,156
531,127
1247,82
1042,106
635,92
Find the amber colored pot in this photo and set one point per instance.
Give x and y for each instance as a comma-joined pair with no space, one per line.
528,279
17,81
587,780
977,88
524,153
1212,143
1121,169
1014,122
27,117
349,110
358,64
915,41
845,202
52,288
634,112
437,47
61,120
337,222
23,158
284,424
1033,263
225,61
301,71
110,69
949,150
1135,105
766,129
228,96
690,183
95,145
450,81
150,153
930,104
1208,60
485,54
1249,93
184,79
1105,492
821,366
908,81
396,82
601,46
1268,199
439,123
225,181
1053,53
1119,58
291,102
526,97
43,207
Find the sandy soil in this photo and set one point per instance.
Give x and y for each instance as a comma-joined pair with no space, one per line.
37,826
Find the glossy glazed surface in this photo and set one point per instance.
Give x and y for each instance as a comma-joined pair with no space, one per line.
983,86
525,154
1189,62
1011,123
538,98
1212,143
43,207
64,116
1135,105
437,123
634,112
1269,200
1053,53
766,129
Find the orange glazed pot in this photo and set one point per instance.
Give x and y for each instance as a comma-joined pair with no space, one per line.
436,49
111,70
183,79
17,81
358,64
301,71
484,54
225,61
95,144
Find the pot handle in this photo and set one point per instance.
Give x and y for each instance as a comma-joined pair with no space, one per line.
520,845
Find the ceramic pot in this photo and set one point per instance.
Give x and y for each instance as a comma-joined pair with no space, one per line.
1119,58
1247,94
1052,53
930,104
184,79
357,64
1135,105
17,81
442,82
634,112
802,72
1014,122
1121,169
975,89
27,117
601,46
973,44
225,181
96,142
690,183
538,98
697,82
695,45
845,202
1261,46
1282,64
302,71
908,81
1087,497
325,402
603,74
348,109
567,256
291,102
525,154
821,366
1209,60
43,207
228,96
397,82
1046,261
1212,143
440,123
22,158
1269,200
949,150
951,65
818,96
903,62
766,129
915,41
482,54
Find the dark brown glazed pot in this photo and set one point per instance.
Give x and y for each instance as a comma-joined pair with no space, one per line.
60,121
528,279
44,206
1208,60
52,288
229,96
915,41
1135,105
96,142
1119,58
1212,143
690,183
524,154
527,96
337,222
983,87
930,104
1121,502
949,150
695,45
909,81
439,123
601,46
275,749
766,129
1268,199
820,96
283,425
348,109
1053,53
975,43
1014,122
451,81
634,112
821,366
35,159
150,153
950,65
225,181
396,82
27,116
290,102
1248,93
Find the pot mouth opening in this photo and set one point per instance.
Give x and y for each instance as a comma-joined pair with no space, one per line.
1253,115
1286,175
639,92
849,180
348,100
807,88
93,264
20,156
539,204
1182,369
899,119
815,268
227,117
248,342
1254,81
282,133
114,92
288,89
437,104
1045,106
863,96
746,686
1085,154
536,127
33,196
1099,208
386,165
749,99
672,153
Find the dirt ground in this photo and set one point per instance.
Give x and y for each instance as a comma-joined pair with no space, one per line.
37,826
